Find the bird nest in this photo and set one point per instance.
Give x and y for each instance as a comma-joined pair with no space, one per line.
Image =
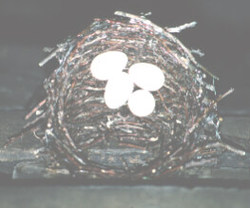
86,134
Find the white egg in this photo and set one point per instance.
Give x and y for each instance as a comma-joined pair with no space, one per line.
147,76
118,89
106,64
141,103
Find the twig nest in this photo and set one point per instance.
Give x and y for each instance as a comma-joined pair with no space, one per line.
107,64
141,103
128,100
147,76
118,89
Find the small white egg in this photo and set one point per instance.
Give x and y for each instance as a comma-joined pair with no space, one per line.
141,103
147,76
118,89
106,64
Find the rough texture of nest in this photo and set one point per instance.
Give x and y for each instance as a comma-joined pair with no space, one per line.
85,136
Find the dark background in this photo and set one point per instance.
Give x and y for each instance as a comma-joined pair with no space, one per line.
222,33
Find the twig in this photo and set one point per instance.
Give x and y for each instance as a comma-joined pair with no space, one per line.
48,58
178,29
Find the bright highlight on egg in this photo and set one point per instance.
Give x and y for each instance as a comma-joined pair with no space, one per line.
107,64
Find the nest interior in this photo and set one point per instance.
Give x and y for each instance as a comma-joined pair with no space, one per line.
90,139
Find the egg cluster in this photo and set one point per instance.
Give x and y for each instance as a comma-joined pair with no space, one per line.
109,66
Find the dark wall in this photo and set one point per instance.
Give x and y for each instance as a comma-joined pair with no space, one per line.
223,30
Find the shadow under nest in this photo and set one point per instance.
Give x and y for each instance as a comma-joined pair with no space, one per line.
85,136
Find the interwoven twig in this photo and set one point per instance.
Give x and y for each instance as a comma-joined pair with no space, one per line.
87,137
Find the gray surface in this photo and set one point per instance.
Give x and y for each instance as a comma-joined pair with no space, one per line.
238,127
18,77
119,197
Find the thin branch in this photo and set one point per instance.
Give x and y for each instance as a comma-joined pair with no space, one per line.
178,29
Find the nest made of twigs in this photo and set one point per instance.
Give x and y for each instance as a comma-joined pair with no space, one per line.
87,137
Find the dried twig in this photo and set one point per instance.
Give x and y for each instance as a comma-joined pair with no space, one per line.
178,29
